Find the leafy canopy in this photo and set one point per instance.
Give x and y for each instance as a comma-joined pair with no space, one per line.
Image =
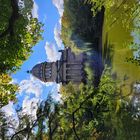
7,90
19,32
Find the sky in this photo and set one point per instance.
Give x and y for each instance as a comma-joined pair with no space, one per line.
32,91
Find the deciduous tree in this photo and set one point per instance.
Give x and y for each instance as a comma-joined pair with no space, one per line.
19,32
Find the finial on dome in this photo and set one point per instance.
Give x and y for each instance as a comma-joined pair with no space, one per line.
28,71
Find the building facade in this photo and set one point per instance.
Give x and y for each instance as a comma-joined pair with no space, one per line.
70,68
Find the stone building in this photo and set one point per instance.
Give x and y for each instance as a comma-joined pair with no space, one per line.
70,68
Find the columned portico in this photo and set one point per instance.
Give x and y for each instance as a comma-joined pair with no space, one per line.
70,68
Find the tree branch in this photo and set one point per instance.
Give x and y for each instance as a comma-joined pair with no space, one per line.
28,129
16,134
80,106
73,122
122,3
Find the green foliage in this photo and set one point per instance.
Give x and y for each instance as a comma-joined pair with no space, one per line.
98,4
85,113
79,34
116,23
89,72
19,33
5,14
121,12
91,109
108,52
7,90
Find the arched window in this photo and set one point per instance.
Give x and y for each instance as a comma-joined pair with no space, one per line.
48,69
50,73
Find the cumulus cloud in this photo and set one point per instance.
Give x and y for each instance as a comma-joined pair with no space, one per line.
51,52
59,5
56,96
57,35
35,87
55,92
35,10
30,106
9,109
31,86
28,87
12,118
49,84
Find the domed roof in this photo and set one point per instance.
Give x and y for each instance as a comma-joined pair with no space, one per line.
38,71
46,71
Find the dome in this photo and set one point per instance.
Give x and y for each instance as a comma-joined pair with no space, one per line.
45,71
38,71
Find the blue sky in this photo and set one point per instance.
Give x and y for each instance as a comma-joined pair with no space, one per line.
49,12
32,90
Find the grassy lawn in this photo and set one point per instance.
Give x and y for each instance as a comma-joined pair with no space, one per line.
118,26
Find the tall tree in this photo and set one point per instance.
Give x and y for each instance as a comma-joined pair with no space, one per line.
81,33
84,113
19,32
7,90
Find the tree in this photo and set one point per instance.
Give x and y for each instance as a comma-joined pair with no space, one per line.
19,33
7,90
43,127
85,113
80,34
101,113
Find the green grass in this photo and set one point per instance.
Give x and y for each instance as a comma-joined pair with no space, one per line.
119,34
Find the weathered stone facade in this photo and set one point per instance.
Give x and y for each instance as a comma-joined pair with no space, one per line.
70,68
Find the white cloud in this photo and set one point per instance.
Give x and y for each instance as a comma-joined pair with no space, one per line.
35,10
9,109
30,106
49,84
51,51
11,117
57,35
56,96
59,5
32,85
55,92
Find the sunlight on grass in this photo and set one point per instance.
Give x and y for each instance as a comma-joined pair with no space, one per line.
119,26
